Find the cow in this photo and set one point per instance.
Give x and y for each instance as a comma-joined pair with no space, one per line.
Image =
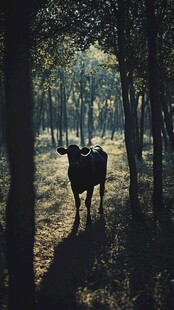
87,168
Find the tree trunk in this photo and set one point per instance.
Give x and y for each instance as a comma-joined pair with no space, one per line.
155,105
133,188
115,120
104,118
76,119
20,206
90,111
167,115
2,115
140,146
61,115
164,135
39,113
135,127
82,139
51,117
65,108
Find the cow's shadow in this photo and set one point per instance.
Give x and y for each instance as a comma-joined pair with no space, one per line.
71,266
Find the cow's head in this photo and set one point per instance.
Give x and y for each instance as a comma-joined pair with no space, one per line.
74,153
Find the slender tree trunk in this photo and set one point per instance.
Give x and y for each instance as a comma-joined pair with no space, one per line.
20,206
51,118
90,111
39,112
155,105
164,135
76,120
2,115
149,120
105,119
61,116
133,188
140,146
82,139
167,115
135,127
115,120
65,109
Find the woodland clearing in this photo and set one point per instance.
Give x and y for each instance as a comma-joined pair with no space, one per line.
116,262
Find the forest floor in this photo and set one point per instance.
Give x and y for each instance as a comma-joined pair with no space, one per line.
114,263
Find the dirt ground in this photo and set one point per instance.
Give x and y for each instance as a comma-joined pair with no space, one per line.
114,263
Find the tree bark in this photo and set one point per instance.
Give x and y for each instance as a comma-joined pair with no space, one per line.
20,206
90,111
115,120
61,115
140,145
133,188
134,104
51,118
2,115
65,108
82,138
167,115
105,113
155,105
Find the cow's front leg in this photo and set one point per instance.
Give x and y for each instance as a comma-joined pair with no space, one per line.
77,203
88,203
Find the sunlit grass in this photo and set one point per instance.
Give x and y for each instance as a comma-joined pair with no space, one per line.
120,262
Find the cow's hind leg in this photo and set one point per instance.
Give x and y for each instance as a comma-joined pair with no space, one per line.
102,190
88,203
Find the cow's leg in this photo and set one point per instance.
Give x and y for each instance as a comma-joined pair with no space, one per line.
77,203
88,203
102,189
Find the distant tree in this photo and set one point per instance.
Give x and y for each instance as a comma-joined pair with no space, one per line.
20,206
141,131
51,117
82,111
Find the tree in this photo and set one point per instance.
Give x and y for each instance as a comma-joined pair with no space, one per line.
155,104
133,189
20,206
51,117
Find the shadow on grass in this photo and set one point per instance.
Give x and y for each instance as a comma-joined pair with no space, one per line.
151,257
131,261
3,270
72,263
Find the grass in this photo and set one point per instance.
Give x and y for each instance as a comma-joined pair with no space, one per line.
115,263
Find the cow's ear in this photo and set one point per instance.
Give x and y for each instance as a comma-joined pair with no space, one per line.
85,151
61,150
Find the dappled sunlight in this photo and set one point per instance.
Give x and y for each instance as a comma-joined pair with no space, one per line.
114,263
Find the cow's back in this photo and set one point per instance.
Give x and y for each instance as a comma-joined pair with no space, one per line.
99,157
93,168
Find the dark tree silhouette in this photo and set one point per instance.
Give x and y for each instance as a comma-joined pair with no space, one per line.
155,104
133,189
20,205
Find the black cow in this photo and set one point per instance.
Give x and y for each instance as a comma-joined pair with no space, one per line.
87,168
